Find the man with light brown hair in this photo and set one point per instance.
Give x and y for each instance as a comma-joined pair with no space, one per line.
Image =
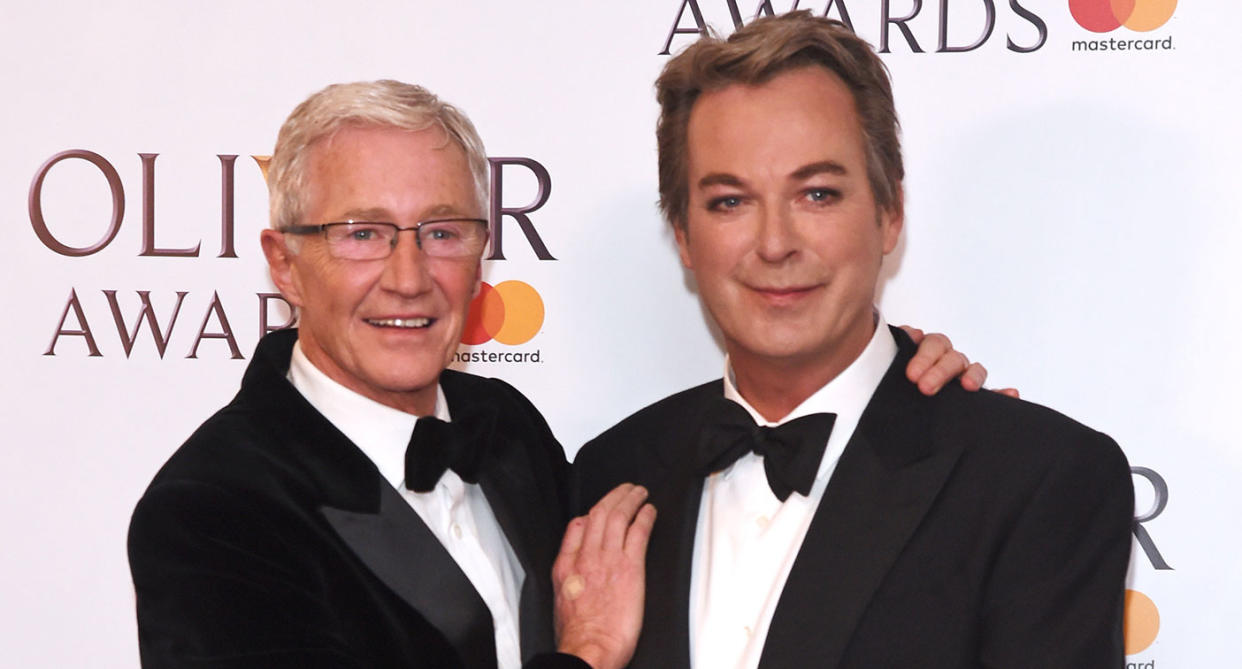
816,511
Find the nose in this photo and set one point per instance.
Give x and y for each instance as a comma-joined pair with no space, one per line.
406,271
776,238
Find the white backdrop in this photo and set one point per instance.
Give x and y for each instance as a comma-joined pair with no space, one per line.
1073,218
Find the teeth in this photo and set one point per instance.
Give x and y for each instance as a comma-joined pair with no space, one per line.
400,322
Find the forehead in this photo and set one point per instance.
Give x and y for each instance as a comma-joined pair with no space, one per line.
798,117
402,172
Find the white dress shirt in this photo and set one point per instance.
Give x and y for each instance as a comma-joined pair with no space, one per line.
456,512
747,539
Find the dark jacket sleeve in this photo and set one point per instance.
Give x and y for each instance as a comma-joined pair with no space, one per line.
1057,588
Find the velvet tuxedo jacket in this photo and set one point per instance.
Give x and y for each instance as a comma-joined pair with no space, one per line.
960,530
270,540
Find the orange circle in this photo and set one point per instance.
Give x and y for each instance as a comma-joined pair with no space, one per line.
1142,622
523,313
486,317
1149,15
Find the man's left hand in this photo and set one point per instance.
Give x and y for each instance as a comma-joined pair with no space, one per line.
936,363
599,578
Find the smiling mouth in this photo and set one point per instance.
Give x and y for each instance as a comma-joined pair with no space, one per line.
783,297
789,289
786,290
403,323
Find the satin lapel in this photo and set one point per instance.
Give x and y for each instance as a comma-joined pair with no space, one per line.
665,640
513,495
403,553
887,478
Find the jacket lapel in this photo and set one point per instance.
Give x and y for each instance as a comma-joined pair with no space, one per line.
677,492
665,640
402,552
887,479
509,487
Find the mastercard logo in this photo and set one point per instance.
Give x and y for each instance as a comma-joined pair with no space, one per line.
1142,622
511,312
1101,16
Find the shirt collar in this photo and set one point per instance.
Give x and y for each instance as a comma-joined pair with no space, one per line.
381,432
845,395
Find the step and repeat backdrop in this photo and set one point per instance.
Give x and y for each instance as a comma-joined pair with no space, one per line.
1073,221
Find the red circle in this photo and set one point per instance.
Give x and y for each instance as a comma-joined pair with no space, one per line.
487,314
1097,16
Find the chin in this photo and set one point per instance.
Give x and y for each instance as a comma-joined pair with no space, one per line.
407,378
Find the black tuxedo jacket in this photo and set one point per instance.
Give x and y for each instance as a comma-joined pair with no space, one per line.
270,540
960,530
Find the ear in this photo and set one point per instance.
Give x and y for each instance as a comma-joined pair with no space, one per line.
683,243
280,261
892,220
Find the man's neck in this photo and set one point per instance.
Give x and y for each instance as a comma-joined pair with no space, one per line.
775,386
417,402
421,402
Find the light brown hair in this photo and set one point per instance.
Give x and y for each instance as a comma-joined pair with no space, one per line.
754,55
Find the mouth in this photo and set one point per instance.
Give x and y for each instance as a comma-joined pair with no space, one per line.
784,291
401,323
785,296
790,290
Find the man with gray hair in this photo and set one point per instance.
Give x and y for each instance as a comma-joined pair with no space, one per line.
357,504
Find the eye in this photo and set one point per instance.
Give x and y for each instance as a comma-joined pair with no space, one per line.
440,233
724,203
822,195
360,233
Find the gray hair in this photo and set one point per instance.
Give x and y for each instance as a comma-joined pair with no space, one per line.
386,104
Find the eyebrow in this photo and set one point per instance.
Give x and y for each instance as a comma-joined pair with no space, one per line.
444,210
381,214
822,167
719,179
801,174
373,214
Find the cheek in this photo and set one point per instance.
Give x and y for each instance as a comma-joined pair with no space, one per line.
717,251
459,283
332,289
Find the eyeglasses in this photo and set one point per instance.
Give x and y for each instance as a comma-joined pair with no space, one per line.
375,240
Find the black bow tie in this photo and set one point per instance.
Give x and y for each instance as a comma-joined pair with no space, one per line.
791,452
437,446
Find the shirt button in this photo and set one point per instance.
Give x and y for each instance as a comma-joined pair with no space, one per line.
762,522
457,530
747,630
